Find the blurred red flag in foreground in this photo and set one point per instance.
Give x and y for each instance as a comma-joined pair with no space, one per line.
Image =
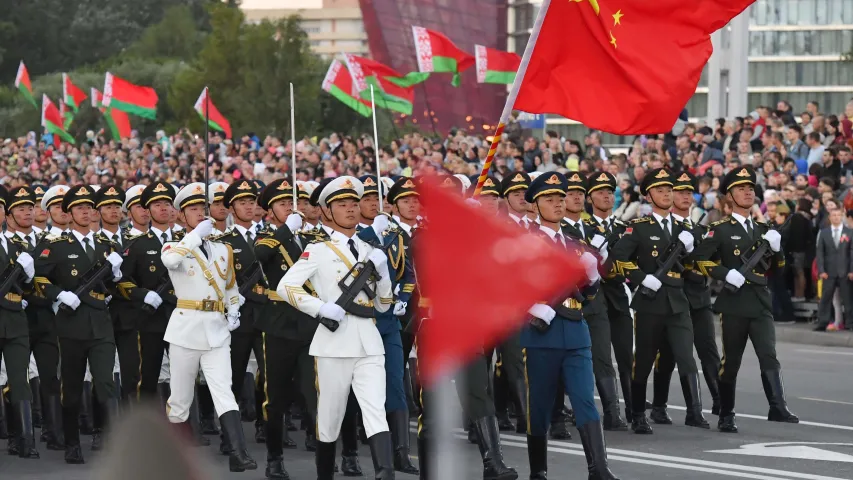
480,274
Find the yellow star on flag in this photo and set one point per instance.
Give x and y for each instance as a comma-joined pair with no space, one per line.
617,17
612,40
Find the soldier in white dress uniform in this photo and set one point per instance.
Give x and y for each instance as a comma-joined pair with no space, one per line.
199,330
353,355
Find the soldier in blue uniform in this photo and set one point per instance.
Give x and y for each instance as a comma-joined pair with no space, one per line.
559,345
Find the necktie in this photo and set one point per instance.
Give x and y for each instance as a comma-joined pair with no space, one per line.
250,239
352,248
117,239
665,224
31,241
749,229
560,240
164,238
203,251
90,251
579,226
835,236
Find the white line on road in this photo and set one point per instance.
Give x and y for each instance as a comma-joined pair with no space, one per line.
824,352
824,400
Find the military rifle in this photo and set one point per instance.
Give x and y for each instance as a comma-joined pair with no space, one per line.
163,286
672,258
760,250
252,278
95,275
10,278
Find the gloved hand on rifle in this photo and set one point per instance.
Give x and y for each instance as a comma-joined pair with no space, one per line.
27,263
735,278
380,260
600,244
332,311
400,308
153,299
774,239
233,317
68,298
543,312
652,283
380,224
687,239
115,260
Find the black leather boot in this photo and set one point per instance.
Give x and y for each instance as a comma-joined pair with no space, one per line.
349,451
87,415
53,434
12,443
625,383
38,418
260,397
726,423
206,411
519,389
286,441
639,422
559,419
275,468
398,423
247,398
472,433
4,417
423,458
382,455
324,459
774,389
70,426
27,436
711,373
199,439
537,455
610,405
659,414
239,459
274,435
490,450
693,400
592,438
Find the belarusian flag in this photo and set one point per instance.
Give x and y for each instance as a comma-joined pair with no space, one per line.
117,120
387,94
22,83
436,53
119,94
339,84
51,120
66,114
495,66
71,94
213,117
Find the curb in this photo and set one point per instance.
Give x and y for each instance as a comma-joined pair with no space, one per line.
803,335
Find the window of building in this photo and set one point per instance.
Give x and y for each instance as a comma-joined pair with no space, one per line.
801,12
808,42
525,15
800,73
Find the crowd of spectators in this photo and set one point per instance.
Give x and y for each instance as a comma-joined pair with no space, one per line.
803,163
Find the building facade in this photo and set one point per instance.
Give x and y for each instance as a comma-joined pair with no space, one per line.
795,54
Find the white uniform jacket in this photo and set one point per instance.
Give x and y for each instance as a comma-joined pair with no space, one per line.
324,264
200,330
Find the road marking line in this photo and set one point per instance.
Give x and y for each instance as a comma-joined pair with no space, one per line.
824,352
824,400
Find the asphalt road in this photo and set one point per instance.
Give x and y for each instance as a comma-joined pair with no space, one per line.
819,382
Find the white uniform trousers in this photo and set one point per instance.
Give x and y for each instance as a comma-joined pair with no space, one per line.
184,366
335,376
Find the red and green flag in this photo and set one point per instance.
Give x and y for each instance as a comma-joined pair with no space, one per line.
119,94
22,83
72,95
117,120
495,66
387,93
208,111
339,84
66,114
436,53
52,121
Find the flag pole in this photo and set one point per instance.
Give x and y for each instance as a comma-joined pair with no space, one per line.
293,148
513,94
376,148
206,151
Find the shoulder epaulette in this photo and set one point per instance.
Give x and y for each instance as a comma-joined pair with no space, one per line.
721,221
268,242
134,237
59,239
640,220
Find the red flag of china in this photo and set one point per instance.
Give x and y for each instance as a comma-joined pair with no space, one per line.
621,66
480,275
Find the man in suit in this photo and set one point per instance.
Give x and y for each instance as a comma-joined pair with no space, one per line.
835,267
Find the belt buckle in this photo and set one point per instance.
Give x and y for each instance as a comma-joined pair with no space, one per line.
208,305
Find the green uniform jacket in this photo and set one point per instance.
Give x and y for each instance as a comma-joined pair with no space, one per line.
695,283
595,305
727,241
39,310
636,255
13,320
612,281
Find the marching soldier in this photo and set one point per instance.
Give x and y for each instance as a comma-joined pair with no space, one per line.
699,295
218,211
14,331
52,203
618,326
39,213
661,305
136,213
199,329
351,355
309,210
560,348
745,301
258,222
83,322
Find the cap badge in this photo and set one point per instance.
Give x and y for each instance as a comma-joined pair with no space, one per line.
743,173
22,192
111,191
198,189
489,183
347,184
409,184
554,180
369,182
244,186
662,174
575,178
602,178
39,191
684,178
518,178
284,185
160,188
82,191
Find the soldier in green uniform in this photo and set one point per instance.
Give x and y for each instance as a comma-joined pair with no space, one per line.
661,305
699,295
84,328
15,337
745,302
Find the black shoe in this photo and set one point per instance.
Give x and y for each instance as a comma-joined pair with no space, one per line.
260,434
286,441
398,423
288,423
610,405
504,423
383,456
693,400
640,424
726,423
311,441
660,392
239,460
275,468
774,389
537,455
324,459
350,466
74,455
97,441
660,415
820,328
490,450
53,435
26,430
208,427
592,438
560,431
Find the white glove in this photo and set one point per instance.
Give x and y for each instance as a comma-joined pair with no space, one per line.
603,253
379,259
233,322
400,308
735,278
774,239
27,263
204,228
293,222
542,312
241,300
687,239
590,264
115,260
332,311
397,290
380,224
69,299
597,242
472,203
108,299
652,283
24,304
151,298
